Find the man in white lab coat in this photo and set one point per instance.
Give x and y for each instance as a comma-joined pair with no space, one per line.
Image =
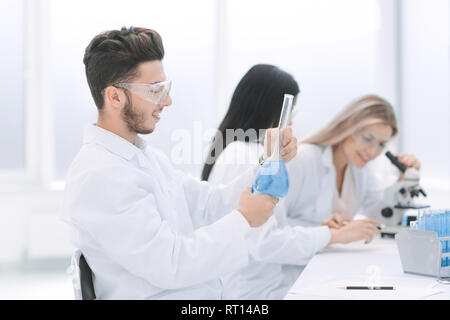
147,230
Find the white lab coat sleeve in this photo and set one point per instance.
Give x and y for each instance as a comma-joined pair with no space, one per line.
299,202
124,221
373,196
208,202
296,245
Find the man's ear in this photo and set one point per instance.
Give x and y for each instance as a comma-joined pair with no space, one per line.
114,97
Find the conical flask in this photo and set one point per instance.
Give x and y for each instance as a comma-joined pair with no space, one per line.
272,177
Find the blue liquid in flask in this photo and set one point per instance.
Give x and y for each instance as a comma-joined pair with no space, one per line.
272,179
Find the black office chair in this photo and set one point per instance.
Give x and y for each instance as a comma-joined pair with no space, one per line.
82,277
86,282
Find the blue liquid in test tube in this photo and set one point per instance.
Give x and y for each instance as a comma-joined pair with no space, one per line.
447,234
447,229
440,227
435,222
428,225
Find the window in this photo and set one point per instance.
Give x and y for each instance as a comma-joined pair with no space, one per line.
329,46
425,92
12,121
189,44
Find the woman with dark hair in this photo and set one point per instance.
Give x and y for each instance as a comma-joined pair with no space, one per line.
255,105
281,248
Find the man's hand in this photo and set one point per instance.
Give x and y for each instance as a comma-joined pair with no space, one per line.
289,143
256,208
337,221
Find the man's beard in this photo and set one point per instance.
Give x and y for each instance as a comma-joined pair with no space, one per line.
134,119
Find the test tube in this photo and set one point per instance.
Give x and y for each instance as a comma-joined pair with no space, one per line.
427,216
444,229
420,220
286,111
404,220
285,118
445,221
440,229
435,221
447,234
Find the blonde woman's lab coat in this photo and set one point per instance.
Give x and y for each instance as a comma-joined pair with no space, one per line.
313,182
147,230
279,249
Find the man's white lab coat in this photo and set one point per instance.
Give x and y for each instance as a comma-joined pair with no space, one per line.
280,248
147,230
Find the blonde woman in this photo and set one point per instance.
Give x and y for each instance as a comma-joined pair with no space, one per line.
330,175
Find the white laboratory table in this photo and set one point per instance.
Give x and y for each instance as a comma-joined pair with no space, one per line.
355,259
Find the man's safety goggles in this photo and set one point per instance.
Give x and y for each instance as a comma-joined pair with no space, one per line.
155,93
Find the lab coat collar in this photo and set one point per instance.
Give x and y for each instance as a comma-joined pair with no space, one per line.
327,161
115,143
328,183
327,157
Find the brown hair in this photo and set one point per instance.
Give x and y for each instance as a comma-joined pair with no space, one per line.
114,56
365,111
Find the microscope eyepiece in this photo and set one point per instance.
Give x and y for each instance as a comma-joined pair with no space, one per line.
422,192
396,162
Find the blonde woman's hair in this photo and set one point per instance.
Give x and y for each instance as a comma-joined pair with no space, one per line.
365,111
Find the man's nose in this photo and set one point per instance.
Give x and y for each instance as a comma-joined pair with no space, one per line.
168,101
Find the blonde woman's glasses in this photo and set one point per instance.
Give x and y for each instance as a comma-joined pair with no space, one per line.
368,140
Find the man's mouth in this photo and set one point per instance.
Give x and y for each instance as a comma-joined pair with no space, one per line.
156,114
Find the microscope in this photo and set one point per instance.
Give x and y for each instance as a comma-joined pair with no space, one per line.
399,207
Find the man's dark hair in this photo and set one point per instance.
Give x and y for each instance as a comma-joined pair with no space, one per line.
114,56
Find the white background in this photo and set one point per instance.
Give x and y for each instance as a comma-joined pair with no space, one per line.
336,49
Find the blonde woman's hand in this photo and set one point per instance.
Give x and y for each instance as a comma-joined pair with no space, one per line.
409,160
337,221
356,230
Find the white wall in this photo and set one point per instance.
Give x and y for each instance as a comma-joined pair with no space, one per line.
29,222
425,100
329,46
30,227
188,34
12,85
337,50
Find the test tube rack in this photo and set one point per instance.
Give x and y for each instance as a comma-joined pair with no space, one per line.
421,253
